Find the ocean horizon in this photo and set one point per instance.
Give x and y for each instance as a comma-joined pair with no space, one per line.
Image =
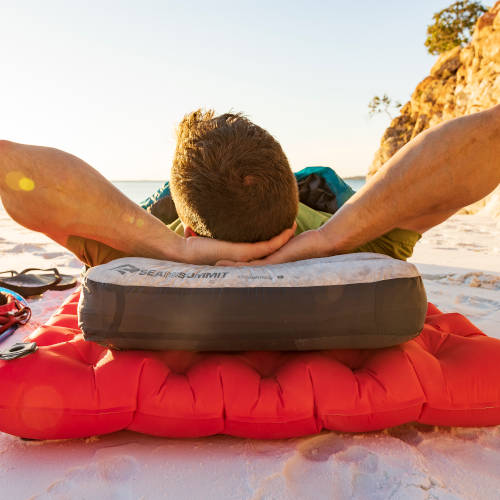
139,190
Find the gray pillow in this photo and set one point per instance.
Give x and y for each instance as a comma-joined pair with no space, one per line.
361,300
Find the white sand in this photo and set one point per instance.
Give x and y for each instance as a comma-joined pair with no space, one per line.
460,261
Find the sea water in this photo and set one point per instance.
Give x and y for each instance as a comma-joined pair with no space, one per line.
139,190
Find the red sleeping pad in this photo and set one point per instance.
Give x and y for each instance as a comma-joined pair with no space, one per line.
69,387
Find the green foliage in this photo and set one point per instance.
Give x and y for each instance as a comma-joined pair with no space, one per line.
453,26
382,105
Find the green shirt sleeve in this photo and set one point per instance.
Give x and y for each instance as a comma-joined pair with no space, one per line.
91,252
397,243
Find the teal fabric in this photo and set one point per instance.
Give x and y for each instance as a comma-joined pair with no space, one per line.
160,193
341,190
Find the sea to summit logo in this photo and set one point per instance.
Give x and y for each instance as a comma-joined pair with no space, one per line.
125,268
155,273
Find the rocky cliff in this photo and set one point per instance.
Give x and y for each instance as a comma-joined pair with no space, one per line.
462,81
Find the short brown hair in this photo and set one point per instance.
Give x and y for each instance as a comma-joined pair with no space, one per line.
230,179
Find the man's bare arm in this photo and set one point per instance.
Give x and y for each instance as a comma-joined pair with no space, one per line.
56,193
440,171
53,192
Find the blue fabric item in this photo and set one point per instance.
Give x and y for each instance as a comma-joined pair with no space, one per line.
20,298
341,190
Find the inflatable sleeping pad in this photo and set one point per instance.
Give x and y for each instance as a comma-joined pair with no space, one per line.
70,387
361,300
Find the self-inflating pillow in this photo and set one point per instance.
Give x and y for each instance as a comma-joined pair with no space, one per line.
359,300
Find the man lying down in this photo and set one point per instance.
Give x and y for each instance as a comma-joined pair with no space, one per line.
232,185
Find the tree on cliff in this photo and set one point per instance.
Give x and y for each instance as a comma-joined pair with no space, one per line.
382,105
453,26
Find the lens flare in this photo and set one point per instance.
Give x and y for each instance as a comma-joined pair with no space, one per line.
27,184
128,218
17,181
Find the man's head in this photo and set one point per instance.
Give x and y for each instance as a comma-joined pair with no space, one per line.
230,179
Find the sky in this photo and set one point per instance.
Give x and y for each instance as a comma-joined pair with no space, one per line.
108,81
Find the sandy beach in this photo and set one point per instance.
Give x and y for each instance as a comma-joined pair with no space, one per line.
460,263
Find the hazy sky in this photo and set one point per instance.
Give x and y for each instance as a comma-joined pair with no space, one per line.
108,81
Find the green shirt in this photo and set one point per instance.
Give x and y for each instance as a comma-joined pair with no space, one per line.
397,243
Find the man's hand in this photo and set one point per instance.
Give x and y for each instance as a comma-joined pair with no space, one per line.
199,250
307,245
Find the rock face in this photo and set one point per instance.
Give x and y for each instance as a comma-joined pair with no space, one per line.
463,81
